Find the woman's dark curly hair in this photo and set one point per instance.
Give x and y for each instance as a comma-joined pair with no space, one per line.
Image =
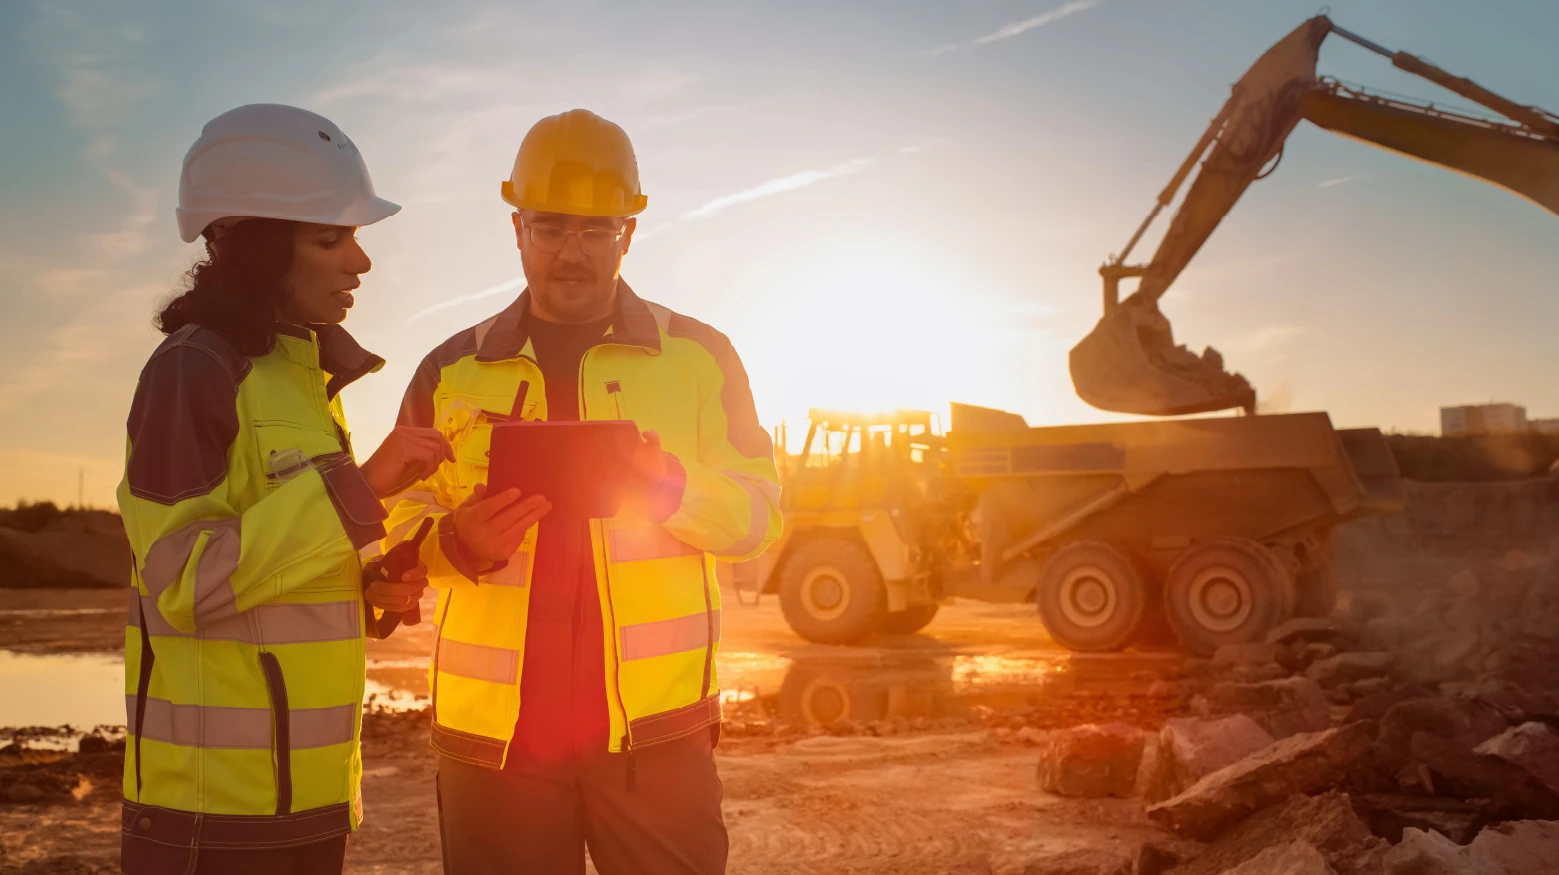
238,288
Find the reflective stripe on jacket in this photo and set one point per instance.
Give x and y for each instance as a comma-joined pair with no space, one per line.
655,573
244,665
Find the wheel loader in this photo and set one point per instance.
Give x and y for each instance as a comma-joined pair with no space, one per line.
1206,530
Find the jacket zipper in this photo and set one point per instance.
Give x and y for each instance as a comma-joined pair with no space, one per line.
611,612
281,717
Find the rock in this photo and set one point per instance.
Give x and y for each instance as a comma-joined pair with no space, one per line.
1291,858
1090,760
1389,816
1157,858
1085,861
1306,629
1369,687
1315,650
1326,823
1375,706
1532,746
1349,667
1190,749
21,792
1527,847
1466,723
1259,653
1456,770
1306,763
1282,707
1385,633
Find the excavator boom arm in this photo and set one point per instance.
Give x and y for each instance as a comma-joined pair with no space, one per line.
1130,363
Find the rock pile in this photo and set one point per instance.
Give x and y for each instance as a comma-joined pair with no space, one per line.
1363,744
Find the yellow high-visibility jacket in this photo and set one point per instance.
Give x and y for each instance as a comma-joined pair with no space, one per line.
244,665
655,574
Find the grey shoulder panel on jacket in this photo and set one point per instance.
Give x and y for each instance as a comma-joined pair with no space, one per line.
743,430
417,404
184,417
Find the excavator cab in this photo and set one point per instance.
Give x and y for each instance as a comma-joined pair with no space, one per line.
1130,362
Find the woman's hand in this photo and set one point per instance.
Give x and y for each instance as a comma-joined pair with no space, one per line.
398,595
491,528
407,455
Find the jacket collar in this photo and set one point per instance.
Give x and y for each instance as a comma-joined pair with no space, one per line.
632,324
340,355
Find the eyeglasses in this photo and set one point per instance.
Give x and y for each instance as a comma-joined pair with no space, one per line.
592,241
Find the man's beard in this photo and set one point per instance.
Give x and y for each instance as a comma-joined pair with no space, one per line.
578,303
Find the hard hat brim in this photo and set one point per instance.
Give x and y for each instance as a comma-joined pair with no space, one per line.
634,206
364,211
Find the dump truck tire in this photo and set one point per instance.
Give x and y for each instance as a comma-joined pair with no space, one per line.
1225,592
1315,592
908,621
1092,597
831,593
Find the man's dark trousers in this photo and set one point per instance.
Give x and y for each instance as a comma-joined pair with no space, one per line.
536,816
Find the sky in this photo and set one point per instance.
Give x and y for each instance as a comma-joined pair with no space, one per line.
883,204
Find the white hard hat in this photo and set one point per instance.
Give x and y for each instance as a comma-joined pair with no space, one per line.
270,161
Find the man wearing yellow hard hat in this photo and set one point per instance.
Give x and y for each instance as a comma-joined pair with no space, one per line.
575,698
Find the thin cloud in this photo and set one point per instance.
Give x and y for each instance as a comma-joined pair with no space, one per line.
1015,28
506,286
1341,180
779,186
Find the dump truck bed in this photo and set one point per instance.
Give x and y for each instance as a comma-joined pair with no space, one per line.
1161,485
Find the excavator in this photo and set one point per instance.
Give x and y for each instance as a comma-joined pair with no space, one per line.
1129,362
1208,530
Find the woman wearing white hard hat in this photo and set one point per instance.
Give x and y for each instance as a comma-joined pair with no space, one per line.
246,512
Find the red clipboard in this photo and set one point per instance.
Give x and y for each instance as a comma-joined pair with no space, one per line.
583,468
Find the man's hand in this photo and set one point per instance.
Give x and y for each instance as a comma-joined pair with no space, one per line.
398,595
490,528
407,455
649,461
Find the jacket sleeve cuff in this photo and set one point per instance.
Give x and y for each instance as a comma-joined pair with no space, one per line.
449,544
666,497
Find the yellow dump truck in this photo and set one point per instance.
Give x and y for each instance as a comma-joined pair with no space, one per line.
1213,529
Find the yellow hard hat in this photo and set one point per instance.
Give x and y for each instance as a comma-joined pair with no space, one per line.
576,163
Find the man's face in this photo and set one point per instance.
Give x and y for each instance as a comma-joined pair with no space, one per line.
571,263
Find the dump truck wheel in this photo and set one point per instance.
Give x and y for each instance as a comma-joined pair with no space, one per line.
1316,593
1092,597
908,621
831,593
1225,592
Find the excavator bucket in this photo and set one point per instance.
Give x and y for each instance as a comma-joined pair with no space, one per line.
1129,363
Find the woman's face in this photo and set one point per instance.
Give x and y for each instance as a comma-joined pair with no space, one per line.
326,264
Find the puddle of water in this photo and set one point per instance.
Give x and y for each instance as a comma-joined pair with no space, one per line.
86,690
80,689
57,612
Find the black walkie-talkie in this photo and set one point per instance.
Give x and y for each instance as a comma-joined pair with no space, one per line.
401,558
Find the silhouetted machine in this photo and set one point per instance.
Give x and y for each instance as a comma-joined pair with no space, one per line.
1215,529
1129,363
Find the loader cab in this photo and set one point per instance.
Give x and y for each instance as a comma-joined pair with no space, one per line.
866,499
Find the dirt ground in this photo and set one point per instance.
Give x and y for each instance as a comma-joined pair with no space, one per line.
946,790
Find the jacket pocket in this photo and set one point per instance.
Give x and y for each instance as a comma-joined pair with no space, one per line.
281,739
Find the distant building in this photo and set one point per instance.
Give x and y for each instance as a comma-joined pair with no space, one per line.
1549,425
1483,419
